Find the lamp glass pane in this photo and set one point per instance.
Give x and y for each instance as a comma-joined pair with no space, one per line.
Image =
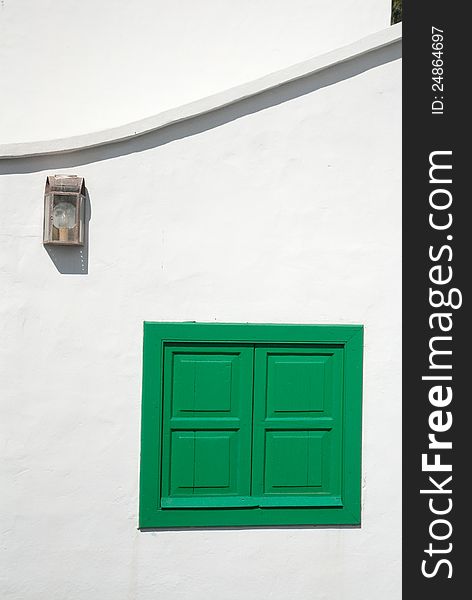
64,215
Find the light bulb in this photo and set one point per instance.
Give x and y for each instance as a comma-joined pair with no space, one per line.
63,215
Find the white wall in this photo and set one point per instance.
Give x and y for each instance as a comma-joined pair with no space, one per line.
73,66
267,211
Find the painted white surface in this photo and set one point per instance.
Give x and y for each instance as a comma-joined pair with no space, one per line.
277,209
69,67
210,103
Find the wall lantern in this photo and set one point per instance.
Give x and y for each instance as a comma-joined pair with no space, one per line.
64,208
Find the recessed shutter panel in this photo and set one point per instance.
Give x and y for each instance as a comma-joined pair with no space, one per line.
297,452
206,446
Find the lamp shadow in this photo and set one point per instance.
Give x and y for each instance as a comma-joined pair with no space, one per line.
73,260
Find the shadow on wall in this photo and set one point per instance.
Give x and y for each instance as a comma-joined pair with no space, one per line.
204,122
73,260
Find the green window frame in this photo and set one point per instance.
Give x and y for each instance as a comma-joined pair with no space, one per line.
251,425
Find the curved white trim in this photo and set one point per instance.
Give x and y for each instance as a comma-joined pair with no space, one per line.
205,105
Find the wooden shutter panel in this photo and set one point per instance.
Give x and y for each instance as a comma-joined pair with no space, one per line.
297,446
213,454
206,445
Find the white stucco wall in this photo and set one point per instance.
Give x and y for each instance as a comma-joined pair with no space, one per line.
283,208
74,66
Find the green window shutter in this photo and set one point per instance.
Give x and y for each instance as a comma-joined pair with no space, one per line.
297,451
251,425
206,446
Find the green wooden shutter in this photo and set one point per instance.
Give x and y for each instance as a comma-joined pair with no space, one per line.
297,451
251,425
206,448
